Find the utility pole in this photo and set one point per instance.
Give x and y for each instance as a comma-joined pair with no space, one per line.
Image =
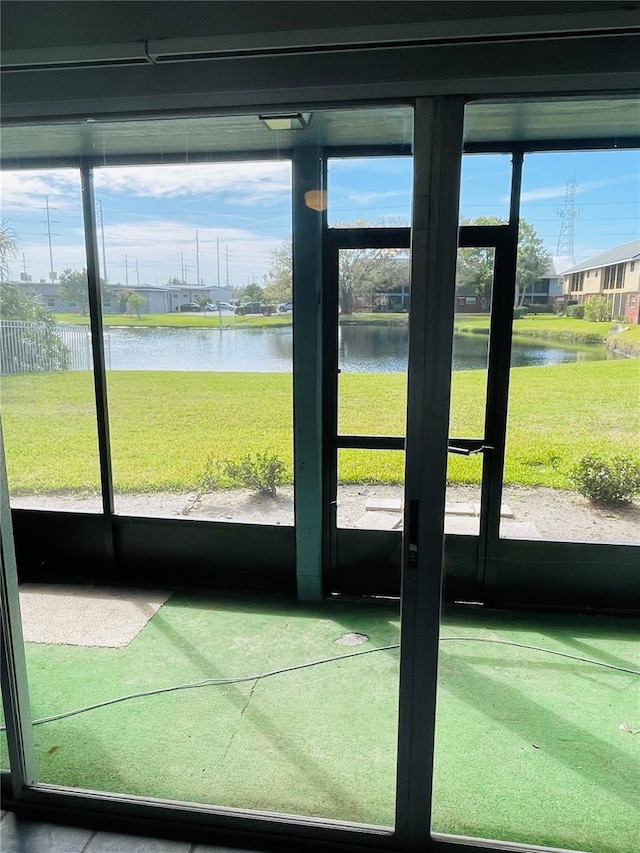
126,270
197,260
218,257
52,275
137,273
182,267
104,254
226,253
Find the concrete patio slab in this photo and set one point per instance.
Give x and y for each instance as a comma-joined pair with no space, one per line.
86,615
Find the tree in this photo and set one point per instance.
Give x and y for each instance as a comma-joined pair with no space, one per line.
252,293
363,271
8,249
73,286
533,260
475,265
135,301
277,281
202,301
475,274
29,340
360,273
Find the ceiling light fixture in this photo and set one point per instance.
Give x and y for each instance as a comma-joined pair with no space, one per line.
286,121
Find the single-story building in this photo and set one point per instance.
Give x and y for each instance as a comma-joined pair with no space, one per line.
159,299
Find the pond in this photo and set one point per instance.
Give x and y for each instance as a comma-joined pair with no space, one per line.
269,350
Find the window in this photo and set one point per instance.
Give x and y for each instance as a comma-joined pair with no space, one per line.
614,277
577,281
48,402
352,204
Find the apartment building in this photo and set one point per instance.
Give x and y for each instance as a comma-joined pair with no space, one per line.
614,274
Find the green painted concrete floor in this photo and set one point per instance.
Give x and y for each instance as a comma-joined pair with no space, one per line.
530,747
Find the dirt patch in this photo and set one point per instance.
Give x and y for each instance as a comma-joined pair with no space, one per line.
534,513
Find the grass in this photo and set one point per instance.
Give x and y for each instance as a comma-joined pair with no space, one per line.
212,320
189,320
528,746
561,329
163,425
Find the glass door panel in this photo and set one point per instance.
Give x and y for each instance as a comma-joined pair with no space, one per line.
200,356
370,489
474,290
47,392
573,428
373,336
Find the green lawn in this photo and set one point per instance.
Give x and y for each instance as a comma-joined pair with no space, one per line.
164,424
210,320
562,329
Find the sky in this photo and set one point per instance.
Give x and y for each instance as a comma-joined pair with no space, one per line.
222,221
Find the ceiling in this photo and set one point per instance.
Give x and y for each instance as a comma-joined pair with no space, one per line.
214,137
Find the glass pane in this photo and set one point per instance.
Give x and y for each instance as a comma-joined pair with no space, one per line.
47,392
369,191
573,432
474,286
485,189
315,715
370,489
373,337
532,747
200,369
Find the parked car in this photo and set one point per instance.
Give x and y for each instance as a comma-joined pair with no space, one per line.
255,308
225,306
189,306
285,307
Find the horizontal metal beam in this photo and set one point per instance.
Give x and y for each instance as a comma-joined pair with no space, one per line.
322,39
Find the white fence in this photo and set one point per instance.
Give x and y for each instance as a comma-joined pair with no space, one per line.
30,347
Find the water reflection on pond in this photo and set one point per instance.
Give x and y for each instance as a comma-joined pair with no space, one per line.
269,350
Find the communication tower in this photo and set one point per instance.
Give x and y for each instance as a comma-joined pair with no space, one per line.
567,218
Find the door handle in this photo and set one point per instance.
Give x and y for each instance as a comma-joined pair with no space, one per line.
467,447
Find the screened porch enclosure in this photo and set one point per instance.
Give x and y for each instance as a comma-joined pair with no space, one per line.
316,565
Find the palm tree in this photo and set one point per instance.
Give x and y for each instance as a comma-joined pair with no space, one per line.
8,249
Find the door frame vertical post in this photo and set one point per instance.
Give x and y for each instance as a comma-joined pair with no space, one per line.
15,692
97,349
437,163
308,463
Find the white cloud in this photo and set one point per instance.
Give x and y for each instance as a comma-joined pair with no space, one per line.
158,249
260,183
27,190
560,190
366,198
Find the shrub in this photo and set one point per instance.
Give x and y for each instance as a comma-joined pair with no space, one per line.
520,311
607,481
262,472
597,309
576,311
